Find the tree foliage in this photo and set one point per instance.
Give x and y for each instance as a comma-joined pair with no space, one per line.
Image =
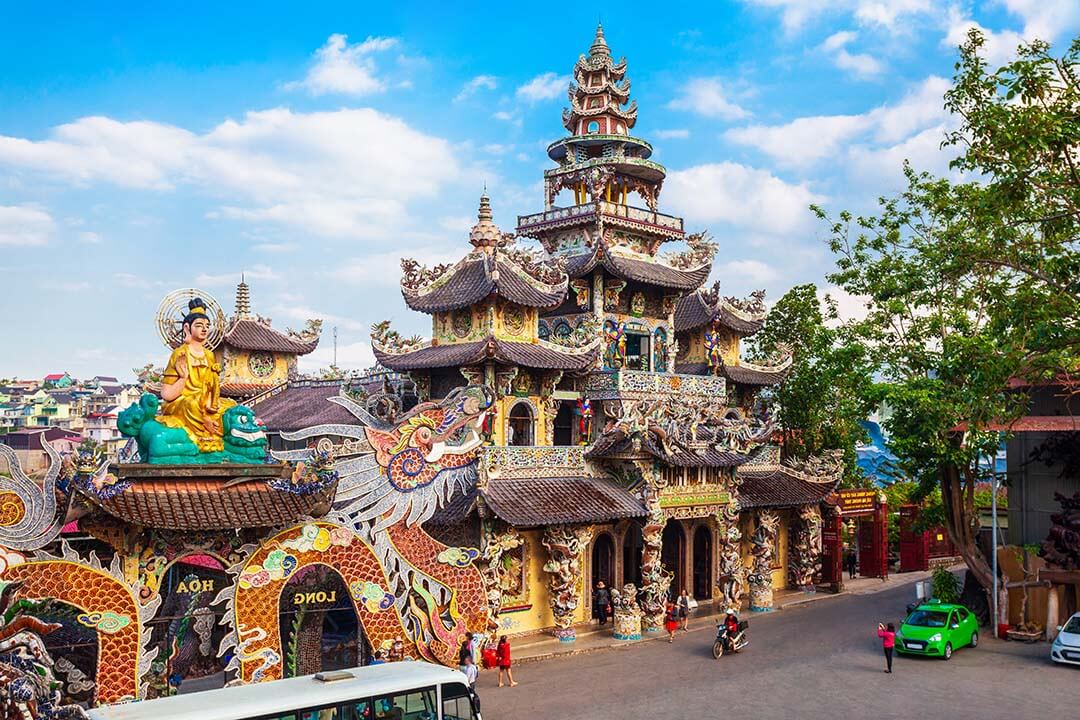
829,389
971,284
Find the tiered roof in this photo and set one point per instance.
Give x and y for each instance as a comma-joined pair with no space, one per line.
495,267
707,306
774,484
613,89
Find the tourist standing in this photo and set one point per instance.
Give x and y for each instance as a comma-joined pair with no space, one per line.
852,560
671,621
888,641
471,671
682,607
502,657
601,602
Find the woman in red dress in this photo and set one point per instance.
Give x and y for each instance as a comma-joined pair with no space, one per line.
502,656
671,621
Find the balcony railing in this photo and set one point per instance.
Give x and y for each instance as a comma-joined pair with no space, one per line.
537,221
613,384
533,461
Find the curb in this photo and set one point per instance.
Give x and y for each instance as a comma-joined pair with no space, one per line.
816,598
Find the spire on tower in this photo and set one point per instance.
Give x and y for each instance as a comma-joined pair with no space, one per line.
485,233
243,299
599,45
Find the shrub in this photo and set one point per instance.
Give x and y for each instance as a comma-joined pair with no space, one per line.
945,586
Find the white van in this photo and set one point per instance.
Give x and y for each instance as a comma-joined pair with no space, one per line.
391,691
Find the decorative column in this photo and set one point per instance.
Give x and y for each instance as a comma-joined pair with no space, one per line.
627,617
730,571
761,589
498,539
564,544
655,581
805,562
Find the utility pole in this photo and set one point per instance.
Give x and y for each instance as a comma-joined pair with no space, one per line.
335,346
993,545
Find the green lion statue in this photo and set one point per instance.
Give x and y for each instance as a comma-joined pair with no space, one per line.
243,436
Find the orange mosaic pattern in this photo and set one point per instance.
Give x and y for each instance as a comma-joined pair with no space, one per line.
12,509
423,551
97,594
259,590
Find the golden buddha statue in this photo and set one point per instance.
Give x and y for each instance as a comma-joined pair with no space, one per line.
191,384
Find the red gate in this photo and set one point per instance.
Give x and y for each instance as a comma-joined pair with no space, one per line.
868,508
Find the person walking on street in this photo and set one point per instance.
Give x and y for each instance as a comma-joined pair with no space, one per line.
502,657
888,641
671,621
682,606
601,603
852,560
471,671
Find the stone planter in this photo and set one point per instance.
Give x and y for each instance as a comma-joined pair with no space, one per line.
761,598
566,635
627,626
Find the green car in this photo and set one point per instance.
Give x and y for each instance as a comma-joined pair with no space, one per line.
937,629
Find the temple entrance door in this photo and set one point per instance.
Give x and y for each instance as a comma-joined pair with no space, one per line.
187,628
519,426
633,544
603,560
703,563
319,627
564,429
673,555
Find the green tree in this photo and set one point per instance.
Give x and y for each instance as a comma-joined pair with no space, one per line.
972,284
830,387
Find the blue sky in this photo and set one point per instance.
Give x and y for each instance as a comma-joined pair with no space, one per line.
311,145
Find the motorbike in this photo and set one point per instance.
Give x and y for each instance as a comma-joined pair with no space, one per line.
724,643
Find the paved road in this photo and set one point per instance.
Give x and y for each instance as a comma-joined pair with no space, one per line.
821,660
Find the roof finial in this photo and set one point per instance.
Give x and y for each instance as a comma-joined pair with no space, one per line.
599,46
485,234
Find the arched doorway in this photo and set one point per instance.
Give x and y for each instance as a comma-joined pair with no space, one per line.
633,544
187,628
74,649
703,563
673,553
519,426
603,560
318,624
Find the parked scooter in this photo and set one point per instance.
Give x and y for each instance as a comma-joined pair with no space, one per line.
731,635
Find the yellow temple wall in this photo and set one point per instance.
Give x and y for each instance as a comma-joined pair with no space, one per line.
780,558
539,616
696,352
238,370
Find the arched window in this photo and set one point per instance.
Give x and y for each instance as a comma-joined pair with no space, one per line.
519,426
593,127
620,129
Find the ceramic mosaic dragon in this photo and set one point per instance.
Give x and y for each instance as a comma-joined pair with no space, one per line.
392,478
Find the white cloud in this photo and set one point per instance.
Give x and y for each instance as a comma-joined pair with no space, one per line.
349,172
889,14
301,314
350,356
90,238
503,115
480,82
268,247
743,196
68,286
1000,47
345,69
753,272
802,141
1046,19
255,272
458,223
923,150
543,87
672,134
861,65
706,96
807,140
848,306
25,225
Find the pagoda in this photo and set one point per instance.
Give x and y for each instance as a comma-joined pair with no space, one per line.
256,356
485,329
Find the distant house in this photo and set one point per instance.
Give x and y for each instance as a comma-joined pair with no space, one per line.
28,447
101,428
58,380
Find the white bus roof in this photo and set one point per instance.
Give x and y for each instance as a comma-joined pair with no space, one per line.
281,696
